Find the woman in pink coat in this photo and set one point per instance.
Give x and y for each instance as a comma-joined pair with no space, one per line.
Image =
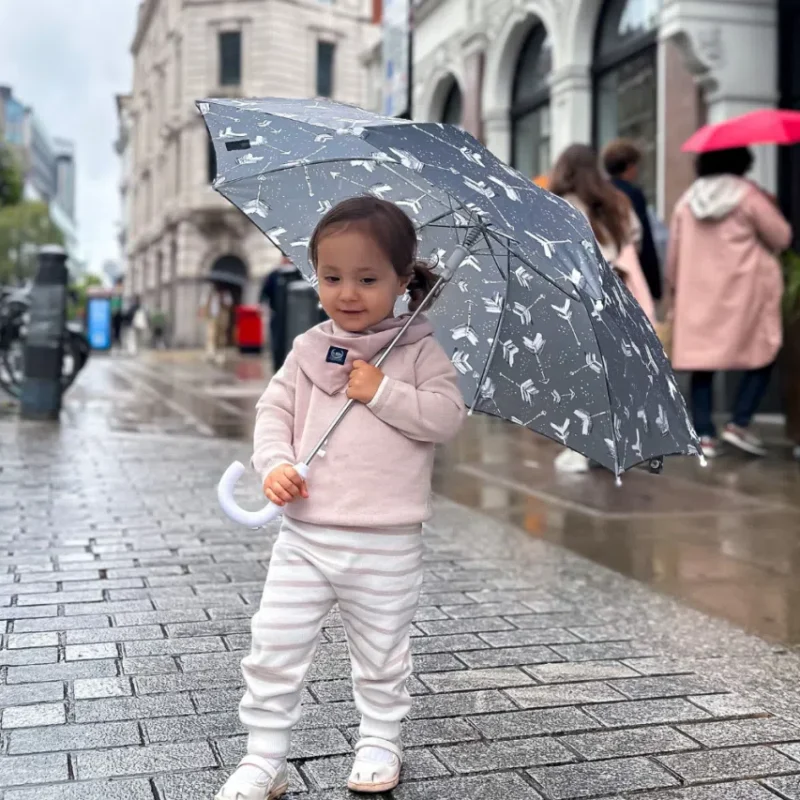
725,287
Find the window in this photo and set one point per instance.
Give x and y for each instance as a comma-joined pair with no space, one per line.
212,161
452,108
530,109
325,53
626,81
230,58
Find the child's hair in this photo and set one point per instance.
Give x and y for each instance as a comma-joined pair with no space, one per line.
391,229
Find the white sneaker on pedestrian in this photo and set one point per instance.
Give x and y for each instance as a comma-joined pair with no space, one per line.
377,766
744,440
255,778
570,461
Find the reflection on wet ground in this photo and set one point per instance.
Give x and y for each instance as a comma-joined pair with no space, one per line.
725,539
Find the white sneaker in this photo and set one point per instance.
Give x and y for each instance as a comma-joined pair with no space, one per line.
255,778
570,461
377,766
744,440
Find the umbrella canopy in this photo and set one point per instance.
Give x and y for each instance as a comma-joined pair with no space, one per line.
766,126
537,325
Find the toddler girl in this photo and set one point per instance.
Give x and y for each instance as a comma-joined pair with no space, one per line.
353,535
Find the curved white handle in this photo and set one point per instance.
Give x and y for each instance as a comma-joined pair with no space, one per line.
253,519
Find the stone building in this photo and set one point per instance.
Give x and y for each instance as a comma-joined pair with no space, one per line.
529,77
176,229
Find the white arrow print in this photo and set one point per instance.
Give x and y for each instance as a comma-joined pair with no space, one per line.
460,361
561,431
592,363
535,346
528,390
565,312
510,350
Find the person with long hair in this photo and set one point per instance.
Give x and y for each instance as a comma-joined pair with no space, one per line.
724,288
576,177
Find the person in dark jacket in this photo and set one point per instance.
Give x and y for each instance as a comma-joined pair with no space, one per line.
621,161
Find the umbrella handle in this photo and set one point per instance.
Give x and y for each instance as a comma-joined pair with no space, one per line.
253,519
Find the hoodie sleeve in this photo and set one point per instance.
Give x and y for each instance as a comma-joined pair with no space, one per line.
274,429
433,410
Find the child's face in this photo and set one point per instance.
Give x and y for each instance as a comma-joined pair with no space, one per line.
358,286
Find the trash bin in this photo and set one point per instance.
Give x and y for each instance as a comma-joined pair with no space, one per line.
303,310
249,330
283,278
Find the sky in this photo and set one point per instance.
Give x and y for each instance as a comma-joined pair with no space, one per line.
68,59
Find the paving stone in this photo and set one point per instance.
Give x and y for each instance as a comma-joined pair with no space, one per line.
557,619
61,623
203,726
229,662
174,647
137,789
186,681
121,708
792,750
63,671
737,762
424,613
202,785
20,640
329,716
27,612
33,715
90,688
161,617
144,760
29,693
601,778
509,754
602,633
149,665
564,694
472,610
109,607
789,787
22,770
746,790
81,599
332,773
216,701
503,786
598,651
83,652
475,679
633,742
647,712
522,638
742,732
74,737
437,662
450,626
125,634
446,644
217,628
728,705
460,704
508,657
573,672
672,686
438,731
31,655
515,724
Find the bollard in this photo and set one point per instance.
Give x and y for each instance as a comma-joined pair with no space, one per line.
44,345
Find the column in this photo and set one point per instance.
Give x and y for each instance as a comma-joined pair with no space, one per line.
474,56
570,107
497,133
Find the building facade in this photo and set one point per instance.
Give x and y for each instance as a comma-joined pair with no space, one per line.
530,77
48,165
175,228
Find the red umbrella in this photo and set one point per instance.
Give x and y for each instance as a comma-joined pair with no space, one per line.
766,126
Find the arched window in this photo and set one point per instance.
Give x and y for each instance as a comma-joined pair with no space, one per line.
530,105
626,82
452,106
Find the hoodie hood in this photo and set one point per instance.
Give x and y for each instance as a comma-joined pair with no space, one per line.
713,198
326,353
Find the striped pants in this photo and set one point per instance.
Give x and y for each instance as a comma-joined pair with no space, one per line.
375,575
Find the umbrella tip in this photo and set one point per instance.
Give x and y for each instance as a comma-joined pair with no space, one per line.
703,460
618,481
599,305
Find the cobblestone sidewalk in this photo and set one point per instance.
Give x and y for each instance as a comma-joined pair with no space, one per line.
125,601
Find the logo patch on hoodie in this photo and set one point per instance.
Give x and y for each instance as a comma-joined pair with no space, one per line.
336,355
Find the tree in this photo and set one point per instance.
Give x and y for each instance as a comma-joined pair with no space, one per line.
10,178
24,228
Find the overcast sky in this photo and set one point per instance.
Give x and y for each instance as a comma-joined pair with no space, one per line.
68,59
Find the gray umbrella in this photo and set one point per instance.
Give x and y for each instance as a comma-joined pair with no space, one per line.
539,328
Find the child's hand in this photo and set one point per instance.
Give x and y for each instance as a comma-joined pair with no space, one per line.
283,485
364,382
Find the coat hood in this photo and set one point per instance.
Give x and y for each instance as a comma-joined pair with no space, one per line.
326,353
713,198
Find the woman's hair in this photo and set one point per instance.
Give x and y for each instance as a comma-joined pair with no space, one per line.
392,231
619,155
577,172
734,161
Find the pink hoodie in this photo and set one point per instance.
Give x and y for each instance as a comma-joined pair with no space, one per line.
376,469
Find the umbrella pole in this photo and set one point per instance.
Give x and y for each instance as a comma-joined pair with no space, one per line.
457,257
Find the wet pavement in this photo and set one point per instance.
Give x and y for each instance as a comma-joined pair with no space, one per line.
125,605
724,539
